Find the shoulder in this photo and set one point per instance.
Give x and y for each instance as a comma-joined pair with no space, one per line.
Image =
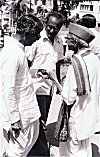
37,42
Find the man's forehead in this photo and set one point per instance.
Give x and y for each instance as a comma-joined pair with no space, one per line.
54,20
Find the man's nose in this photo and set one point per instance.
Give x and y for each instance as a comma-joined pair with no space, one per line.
51,30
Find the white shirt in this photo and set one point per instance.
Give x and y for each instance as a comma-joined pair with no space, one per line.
85,111
18,91
95,43
57,45
44,55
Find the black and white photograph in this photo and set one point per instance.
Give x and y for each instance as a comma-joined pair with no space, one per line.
49,78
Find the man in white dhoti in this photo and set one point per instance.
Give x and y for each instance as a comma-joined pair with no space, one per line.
17,90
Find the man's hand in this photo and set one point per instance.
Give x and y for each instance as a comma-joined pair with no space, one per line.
52,76
45,75
16,126
42,73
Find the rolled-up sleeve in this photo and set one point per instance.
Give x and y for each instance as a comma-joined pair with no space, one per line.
10,70
69,92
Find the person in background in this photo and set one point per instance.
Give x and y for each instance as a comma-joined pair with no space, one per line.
81,89
44,55
76,19
18,90
40,148
89,21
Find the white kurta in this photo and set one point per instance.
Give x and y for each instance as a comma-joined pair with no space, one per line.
85,111
84,114
18,98
18,91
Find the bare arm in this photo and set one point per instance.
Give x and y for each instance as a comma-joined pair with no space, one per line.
58,85
53,77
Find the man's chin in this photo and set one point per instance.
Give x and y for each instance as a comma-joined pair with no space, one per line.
51,36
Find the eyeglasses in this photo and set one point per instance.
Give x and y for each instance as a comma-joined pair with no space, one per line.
71,38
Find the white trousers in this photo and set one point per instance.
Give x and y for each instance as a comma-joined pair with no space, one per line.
31,133
3,138
73,147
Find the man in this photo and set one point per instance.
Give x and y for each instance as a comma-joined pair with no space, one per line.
18,91
81,89
44,54
89,21
76,19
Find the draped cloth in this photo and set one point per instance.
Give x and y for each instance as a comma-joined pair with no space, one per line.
81,74
61,133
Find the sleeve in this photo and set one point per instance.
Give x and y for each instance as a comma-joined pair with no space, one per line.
69,92
11,68
30,51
